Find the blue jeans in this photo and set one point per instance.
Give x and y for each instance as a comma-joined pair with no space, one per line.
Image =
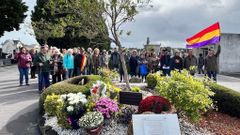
43,80
23,72
69,73
212,74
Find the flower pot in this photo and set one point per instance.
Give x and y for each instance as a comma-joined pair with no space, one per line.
74,118
95,131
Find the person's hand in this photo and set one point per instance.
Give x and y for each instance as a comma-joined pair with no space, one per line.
50,62
55,61
40,64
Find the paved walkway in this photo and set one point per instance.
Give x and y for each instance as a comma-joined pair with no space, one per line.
230,82
18,105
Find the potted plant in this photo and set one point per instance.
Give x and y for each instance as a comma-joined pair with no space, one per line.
107,107
92,122
75,106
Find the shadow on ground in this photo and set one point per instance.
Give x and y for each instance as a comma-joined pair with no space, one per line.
20,94
24,122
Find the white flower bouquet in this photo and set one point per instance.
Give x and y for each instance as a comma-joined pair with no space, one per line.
91,120
74,102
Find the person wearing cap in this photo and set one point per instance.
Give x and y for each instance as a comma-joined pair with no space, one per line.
177,61
190,62
104,59
43,61
211,65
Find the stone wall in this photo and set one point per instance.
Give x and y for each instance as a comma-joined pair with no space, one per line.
229,59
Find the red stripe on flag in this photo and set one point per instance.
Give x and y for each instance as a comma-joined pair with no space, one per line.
203,32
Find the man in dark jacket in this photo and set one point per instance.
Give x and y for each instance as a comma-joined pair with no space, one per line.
43,61
77,63
165,61
177,62
200,64
211,65
115,60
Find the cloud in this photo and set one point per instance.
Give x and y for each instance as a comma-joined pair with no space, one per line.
170,22
173,21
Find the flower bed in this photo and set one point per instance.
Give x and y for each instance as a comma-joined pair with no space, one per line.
95,109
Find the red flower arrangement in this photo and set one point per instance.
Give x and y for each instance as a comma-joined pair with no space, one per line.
154,104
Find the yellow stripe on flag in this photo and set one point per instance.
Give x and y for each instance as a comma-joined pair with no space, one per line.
207,36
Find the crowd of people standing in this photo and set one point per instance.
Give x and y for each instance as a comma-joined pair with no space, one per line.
67,63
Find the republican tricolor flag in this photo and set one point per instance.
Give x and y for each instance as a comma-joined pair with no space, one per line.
208,36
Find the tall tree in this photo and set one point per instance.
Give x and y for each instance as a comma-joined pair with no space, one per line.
63,23
11,15
116,13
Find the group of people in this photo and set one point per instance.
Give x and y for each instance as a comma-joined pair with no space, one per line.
66,64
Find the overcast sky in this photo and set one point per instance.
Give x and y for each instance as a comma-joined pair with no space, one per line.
168,22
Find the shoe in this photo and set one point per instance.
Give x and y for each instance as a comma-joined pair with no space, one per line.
20,85
27,84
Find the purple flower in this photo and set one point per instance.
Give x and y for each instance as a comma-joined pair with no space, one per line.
107,107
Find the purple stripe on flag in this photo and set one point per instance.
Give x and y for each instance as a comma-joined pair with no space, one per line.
207,42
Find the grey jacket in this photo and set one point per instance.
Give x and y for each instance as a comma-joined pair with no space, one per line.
190,61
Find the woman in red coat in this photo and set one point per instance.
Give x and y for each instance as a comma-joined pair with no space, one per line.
24,61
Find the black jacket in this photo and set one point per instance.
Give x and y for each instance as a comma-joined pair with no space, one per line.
77,60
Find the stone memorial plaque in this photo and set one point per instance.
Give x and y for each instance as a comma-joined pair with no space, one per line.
130,98
156,124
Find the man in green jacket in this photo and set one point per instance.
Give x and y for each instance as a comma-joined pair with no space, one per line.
211,65
43,61
190,62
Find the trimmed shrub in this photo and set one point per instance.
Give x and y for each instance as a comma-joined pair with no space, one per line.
107,74
53,104
74,85
227,100
188,94
152,80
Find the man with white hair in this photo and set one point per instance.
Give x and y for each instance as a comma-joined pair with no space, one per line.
104,59
43,61
89,64
211,65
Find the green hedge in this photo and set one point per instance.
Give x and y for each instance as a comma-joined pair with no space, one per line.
227,100
69,86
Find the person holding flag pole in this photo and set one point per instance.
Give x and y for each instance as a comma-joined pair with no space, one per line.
208,36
